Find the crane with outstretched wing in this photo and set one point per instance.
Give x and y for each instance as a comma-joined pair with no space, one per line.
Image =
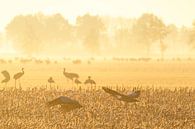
126,98
66,103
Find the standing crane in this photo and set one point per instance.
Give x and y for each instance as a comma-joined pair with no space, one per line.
50,80
70,76
17,76
6,77
90,81
77,81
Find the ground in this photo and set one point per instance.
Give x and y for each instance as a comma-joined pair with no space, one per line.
166,101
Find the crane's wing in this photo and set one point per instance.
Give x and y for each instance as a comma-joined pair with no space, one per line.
77,81
112,92
5,74
93,82
86,82
62,100
74,75
119,96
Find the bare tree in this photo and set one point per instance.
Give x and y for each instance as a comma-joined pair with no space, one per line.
31,33
89,29
148,29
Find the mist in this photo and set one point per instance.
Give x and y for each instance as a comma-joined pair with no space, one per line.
93,35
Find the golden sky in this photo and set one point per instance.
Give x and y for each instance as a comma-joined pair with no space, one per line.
179,12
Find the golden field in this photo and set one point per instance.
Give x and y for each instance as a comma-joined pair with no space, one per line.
157,109
106,72
166,101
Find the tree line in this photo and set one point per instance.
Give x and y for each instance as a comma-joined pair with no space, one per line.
96,35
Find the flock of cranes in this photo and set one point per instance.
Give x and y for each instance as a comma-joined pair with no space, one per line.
74,77
70,76
67,104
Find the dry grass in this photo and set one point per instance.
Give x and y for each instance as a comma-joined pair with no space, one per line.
158,108
161,106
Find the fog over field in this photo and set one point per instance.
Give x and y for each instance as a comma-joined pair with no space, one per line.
97,64
47,28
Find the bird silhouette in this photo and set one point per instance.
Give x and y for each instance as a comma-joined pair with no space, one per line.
66,103
90,81
6,77
50,80
17,76
77,81
126,98
70,76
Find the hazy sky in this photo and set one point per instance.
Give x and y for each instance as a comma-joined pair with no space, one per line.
180,12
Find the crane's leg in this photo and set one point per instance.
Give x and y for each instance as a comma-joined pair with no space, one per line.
15,83
19,83
95,86
80,88
50,85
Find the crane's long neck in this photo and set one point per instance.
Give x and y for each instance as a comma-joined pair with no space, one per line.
22,71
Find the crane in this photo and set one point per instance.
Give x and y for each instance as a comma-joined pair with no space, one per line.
17,76
67,104
77,81
70,76
50,80
122,97
90,81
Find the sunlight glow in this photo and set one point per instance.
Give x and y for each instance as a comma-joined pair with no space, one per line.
174,11
7,49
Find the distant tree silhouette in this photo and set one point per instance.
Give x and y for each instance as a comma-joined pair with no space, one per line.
22,30
123,39
163,48
89,29
31,33
42,34
148,29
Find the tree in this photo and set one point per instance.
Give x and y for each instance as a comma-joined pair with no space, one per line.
148,29
163,47
32,33
123,39
89,29
22,31
57,28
